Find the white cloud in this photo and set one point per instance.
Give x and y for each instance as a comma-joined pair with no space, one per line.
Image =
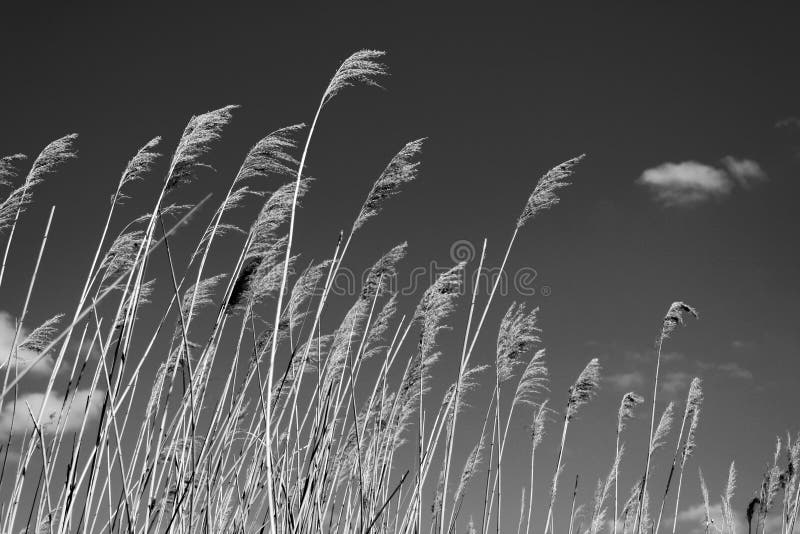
72,421
694,517
690,183
686,183
24,356
744,171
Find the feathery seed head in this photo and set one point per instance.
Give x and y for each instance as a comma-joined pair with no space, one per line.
46,162
8,168
242,284
544,195
730,487
728,517
584,388
534,380
663,428
675,317
401,169
121,254
470,468
629,401
379,327
140,163
200,132
360,67
275,212
54,154
693,404
271,155
537,424
202,293
41,336
380,275
437,303
706,504
306,286
518,332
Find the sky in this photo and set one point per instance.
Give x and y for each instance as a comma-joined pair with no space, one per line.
687,115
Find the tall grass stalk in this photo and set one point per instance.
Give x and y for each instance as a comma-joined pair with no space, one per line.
673,318
580,393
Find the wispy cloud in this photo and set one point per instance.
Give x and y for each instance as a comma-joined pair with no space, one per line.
674,382
729,369
626,381
745,171
741,344
788,122
690,183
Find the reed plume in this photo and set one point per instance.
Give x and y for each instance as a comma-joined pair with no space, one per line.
770,487
626,406
709,521
361,67
663,428
601,494
728,517
518,332
138,166
536,435
198,135
580,393
8,168
271,155
673,318
51,156
436,303
401,169
691,414
470,468
38,339
584,389
543,196
383,272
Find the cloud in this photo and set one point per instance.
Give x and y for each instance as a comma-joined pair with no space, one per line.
744,171
626,381
788,122
637,379
674,382
730,369
72,421
24,356
690,183
694,519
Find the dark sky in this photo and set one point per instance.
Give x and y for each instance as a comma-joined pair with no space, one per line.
501,99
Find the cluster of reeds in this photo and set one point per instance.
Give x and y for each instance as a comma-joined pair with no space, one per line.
266,421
